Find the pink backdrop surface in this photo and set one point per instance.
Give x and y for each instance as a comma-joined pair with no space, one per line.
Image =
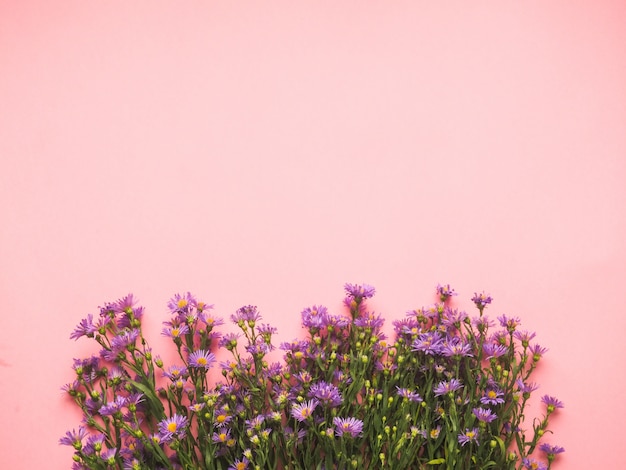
267,152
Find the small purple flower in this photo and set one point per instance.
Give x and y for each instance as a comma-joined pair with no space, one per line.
524,337
537,352
175,372
532,464
351,426
510,323
484,415
428,343
409,395
86,328
327,394
314,317
175,331
445,292
175,426
181,303
201,359
470,435
248,314
239,464
551,451
551,403
74,438
526,387
481,300
493,396
359,291
302,411
456,349
447,387
493,350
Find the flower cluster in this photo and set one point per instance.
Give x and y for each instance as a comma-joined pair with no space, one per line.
448,391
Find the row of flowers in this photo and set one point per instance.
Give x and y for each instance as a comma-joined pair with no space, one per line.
446,391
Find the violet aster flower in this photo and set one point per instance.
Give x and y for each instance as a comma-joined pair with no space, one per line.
551,403
248,314
493,396
457,349
532,464
201,359
510,323
351,426
358,292
175,426
174,331
302,411
537,352
314,317
447,387
549,449
239,464
74,438
470,435
445,292
428,343
409,395
493,350
181,303
484,415
326,393
481,300
86,328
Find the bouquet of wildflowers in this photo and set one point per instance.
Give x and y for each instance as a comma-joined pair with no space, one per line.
448,391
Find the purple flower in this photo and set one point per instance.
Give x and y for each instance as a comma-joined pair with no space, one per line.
74,438
302,411
428,343
481,300
526,387
170,428
86,327
524,337
445,292
351,426
447,387
201,359
181,303
239,464
248,314
493,350
493,396
326,393
470,435
548,449
175,372
174,331
484,415
551,402
510,323
456,348
314,317
409,395
358,292
532,464
537,352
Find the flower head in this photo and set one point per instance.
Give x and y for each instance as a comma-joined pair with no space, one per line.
303,411
360,291
350,426
201,359
551,403
469,436
447,387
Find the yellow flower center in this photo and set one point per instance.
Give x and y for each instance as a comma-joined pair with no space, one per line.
221,418
222,437
175,332
492,394
182,303
202,361
171,427
241,466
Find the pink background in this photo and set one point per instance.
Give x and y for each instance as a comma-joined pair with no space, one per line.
268,152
